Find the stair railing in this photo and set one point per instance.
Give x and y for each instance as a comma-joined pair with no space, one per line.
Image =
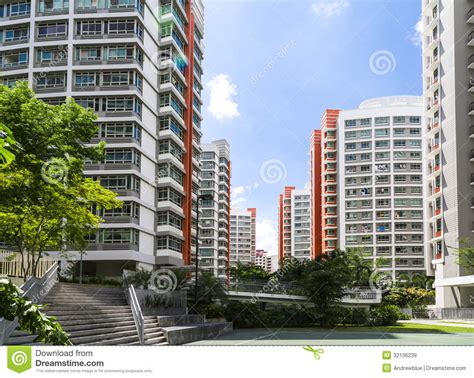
34,289
135,306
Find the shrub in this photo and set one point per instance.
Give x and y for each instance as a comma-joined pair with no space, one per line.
212,311
386,315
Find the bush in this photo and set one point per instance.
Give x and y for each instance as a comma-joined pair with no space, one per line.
386,315
212,311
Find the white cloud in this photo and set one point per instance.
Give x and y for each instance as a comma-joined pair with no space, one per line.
222,105
240,193
416,38
267,236
329,8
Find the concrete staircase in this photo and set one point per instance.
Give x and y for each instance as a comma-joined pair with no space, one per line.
94,315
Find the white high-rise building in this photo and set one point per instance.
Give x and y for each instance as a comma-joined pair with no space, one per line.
242,236
448,82
380,183
214,221
137,64
301,224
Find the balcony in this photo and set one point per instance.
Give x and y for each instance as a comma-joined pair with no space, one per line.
471,109
112,6
471,132
470,62
470,16
470,39
472,178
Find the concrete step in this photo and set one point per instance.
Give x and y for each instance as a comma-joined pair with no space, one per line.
152,335
89,311
105,338
72,327
85,297
156,340
120,340
95,322
93,303
102,331
21,340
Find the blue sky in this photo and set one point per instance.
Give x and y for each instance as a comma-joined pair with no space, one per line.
271,68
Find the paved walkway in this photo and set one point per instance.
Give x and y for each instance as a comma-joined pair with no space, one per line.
312,336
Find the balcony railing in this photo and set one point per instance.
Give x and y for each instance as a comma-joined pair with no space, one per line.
472,178
470,13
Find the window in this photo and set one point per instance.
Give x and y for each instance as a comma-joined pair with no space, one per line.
52,30
119,236
89,28
121,27
382,132
88,53
52,5
365,145
167,218
120,130
50,80
382,121
120,183
117,78
398,120
381,144
19,9
86,79
350,146
14,59
382,156
351,135
122,156
365,122
17,34
351,123
415,120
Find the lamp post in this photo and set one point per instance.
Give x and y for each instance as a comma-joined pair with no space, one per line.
200,198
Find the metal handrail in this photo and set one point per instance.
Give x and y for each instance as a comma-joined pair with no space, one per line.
34,289
135,306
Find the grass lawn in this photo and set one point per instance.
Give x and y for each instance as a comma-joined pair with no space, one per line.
409,328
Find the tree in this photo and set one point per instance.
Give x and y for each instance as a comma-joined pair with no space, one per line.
6,145
465,256
248,272
210,288
13,305
46,202
360,267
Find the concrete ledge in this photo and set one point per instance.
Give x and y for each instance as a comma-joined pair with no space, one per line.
179,335
180,320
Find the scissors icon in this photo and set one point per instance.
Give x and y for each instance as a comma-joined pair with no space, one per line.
316,352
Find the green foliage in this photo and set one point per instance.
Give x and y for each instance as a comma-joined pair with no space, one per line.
465,256
212,310
248,272
7,144
140,279
46,202
156,301
385,315
325,279
413,297
360,267
30,318
210,289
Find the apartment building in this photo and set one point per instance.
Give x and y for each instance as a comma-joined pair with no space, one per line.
329,192
214,223
448,80
295,224
301,224
242,236
284,223
267,262
380,183
138,65
316,193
